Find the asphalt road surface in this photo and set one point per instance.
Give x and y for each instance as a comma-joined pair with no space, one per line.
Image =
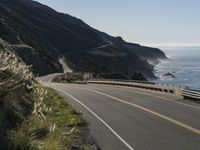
122,118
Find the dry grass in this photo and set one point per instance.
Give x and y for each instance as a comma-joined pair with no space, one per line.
60,129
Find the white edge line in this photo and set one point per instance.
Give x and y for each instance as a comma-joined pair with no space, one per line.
117,135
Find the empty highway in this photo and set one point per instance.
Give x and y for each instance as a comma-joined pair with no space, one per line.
122,118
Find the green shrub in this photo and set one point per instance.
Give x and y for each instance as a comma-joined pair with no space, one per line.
69,77
20,140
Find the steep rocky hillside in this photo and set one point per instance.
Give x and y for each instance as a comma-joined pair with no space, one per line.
40,35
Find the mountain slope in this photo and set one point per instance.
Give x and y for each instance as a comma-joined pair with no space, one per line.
40,35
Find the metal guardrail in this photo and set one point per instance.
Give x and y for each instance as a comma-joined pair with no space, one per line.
180,91
138,81
171,85
142,85
190,94
121,80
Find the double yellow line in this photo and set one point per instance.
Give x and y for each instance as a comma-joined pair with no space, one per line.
197,131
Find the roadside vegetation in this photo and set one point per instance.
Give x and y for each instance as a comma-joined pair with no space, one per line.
78,77
52,125
34,117
72,77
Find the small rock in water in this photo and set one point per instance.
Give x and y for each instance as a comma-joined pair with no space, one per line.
169,75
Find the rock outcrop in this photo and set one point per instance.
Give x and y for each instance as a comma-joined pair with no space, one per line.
169,75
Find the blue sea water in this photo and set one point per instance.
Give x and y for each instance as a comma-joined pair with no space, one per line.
184,63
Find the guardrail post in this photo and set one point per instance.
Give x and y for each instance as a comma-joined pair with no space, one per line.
178,92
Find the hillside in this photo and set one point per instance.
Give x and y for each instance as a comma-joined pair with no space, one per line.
40,35
34,117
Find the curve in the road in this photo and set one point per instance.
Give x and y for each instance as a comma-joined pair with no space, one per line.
197,131
100,119
155,123
89,49
61,57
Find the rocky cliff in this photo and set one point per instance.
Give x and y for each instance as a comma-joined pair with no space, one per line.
40,35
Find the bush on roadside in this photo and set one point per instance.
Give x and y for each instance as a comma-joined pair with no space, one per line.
69,77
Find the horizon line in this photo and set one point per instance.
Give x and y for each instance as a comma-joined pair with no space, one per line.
171,45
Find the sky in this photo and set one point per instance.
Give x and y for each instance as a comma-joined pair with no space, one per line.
147,22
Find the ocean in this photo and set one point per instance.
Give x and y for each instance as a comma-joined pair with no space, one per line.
183,63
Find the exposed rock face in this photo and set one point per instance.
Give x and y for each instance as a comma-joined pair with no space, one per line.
40,35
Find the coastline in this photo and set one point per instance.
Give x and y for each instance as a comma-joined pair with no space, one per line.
183,63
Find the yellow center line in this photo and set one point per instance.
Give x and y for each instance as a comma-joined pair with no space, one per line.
151,112
148,94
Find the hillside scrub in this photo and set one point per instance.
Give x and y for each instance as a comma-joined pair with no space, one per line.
52,125
71,77
33,116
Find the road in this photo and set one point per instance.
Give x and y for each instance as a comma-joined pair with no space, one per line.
122,118
86,50
66,67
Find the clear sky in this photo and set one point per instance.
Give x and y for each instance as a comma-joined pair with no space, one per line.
148,22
